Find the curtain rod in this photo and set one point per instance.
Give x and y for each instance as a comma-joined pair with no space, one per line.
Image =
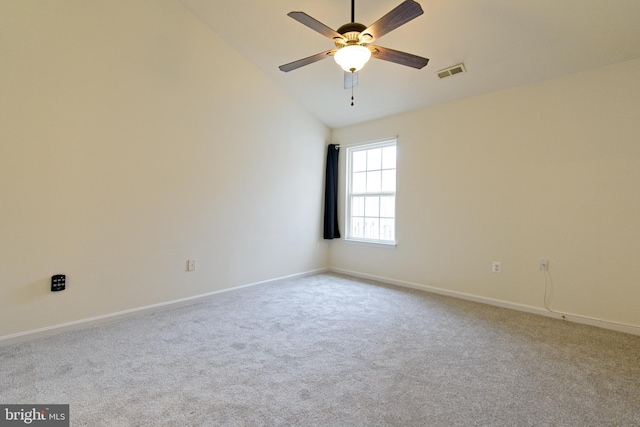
336,146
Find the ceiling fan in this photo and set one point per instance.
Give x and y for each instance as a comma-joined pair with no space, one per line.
353,41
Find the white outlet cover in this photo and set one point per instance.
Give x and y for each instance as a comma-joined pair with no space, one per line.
496,267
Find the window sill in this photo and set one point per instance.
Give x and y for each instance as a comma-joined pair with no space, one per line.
372,243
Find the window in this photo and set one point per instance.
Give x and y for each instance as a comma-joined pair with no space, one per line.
371,192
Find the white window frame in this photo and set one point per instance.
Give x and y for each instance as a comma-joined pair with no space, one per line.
391,142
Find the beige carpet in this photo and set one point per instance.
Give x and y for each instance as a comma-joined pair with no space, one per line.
329,350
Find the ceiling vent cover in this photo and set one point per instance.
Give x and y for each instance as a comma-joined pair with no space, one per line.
451,71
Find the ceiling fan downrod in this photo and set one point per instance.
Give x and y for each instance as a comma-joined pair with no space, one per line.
353,11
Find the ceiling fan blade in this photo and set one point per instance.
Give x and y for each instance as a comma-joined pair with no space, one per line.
306,61
398,57
402,14
350,80
315,25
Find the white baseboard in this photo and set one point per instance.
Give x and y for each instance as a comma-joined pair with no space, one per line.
620,327
93,321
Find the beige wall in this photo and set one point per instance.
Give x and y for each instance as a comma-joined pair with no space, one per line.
550,170
133,139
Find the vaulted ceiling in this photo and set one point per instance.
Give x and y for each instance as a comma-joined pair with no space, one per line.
502,44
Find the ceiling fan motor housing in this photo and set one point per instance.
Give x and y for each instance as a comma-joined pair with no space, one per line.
352,34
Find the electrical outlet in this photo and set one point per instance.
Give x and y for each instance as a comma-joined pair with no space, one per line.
192,265
496,267
544,265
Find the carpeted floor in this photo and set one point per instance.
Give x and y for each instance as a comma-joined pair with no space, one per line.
329,350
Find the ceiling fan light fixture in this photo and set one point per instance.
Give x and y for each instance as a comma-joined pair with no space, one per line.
352,58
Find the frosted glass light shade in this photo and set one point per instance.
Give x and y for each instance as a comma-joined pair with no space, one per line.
352,58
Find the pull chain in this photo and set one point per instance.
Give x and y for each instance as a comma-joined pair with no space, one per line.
352,96
352,73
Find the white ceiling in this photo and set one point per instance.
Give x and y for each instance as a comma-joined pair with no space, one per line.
503,43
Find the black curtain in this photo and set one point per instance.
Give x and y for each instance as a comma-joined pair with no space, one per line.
331,194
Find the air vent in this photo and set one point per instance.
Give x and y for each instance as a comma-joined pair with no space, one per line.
451,71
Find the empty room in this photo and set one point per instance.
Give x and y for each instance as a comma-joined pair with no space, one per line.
337,213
